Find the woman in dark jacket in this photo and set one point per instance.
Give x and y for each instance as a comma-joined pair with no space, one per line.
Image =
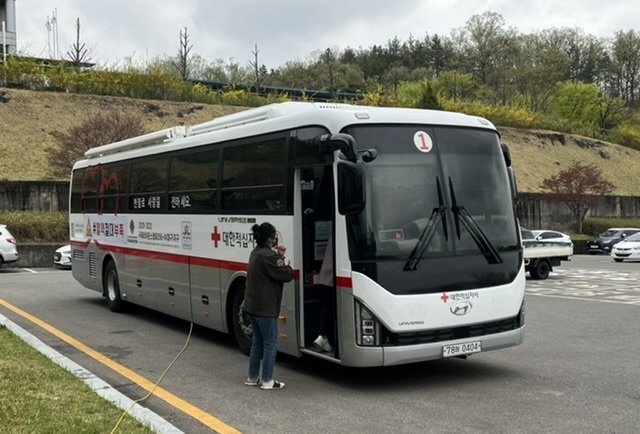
268,270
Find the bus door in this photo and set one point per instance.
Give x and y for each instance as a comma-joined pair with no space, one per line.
318,260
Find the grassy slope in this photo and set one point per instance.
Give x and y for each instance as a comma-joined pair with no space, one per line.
30,121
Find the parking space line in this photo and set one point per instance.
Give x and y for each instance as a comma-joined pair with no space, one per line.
569,297
173,400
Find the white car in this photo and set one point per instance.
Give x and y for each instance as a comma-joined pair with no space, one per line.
543,235
62,256
8,248
629,248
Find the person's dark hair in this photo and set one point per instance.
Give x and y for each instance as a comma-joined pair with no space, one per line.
263,232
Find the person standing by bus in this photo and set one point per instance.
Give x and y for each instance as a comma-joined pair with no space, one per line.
268,270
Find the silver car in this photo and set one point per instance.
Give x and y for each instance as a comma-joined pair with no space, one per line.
8,247
547,235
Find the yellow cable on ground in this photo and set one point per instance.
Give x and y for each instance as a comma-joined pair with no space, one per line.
157,383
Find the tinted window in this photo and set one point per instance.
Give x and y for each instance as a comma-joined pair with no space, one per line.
254,176
405,184
267,199
526,235
193,181
197,171
255,164
149,176
306,147
547,235
85,187
634,237
113,188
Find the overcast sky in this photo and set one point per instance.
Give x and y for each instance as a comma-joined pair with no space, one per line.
287,29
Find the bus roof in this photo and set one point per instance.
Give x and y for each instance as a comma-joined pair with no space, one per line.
272,118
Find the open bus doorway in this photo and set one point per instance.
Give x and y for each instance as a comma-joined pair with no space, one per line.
318,283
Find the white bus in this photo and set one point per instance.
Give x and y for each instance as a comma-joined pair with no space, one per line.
415,209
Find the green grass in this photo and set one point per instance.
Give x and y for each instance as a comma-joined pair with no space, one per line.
38,396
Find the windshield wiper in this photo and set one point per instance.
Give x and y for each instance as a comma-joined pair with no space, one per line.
461,214
437,215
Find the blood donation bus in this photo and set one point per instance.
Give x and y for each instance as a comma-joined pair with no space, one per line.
409,212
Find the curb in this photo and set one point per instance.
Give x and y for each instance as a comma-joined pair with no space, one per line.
104,390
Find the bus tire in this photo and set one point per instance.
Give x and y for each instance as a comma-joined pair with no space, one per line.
540,270
111,286
241,325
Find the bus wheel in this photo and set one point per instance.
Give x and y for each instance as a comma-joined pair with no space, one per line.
112,288
541,270
242,329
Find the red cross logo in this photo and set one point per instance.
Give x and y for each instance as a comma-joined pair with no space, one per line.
215,236
444,297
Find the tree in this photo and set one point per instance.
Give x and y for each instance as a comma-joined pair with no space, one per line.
612,113
490,50
625,66
575,104
260,71
580,187
455,86
98,129
538,67
183,59
79,53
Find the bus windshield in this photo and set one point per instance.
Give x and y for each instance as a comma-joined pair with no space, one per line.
449,199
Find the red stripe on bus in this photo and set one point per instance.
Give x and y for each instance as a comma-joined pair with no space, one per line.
173,257
84,244
344,282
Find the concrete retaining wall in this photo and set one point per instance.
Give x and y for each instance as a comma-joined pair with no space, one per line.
38,196
34,256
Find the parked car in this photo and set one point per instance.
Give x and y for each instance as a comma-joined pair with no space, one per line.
8,247
546,235
627,249
62,256
609,238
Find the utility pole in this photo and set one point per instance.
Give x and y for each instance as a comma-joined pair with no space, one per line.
4,45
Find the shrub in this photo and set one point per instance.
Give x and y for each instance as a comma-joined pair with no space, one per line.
506,116
595,227
628,135
32,227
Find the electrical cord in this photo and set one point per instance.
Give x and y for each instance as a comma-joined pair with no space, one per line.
157,383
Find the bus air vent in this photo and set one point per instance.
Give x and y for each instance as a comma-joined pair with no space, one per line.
92,264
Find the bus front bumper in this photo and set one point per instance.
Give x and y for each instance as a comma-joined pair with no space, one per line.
420,353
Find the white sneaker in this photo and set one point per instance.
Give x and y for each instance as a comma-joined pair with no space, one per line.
272,385
323,343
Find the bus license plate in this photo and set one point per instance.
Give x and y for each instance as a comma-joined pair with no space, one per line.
461,349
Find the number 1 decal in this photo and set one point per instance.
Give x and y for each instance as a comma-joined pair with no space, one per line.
422,141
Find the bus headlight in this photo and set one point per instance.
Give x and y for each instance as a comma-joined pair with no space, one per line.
367,327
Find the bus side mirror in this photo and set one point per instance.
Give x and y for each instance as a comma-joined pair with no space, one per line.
342,142
351,200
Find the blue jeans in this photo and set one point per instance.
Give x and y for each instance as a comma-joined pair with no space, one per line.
263,346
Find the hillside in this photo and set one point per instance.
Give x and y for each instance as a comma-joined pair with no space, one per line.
30,121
